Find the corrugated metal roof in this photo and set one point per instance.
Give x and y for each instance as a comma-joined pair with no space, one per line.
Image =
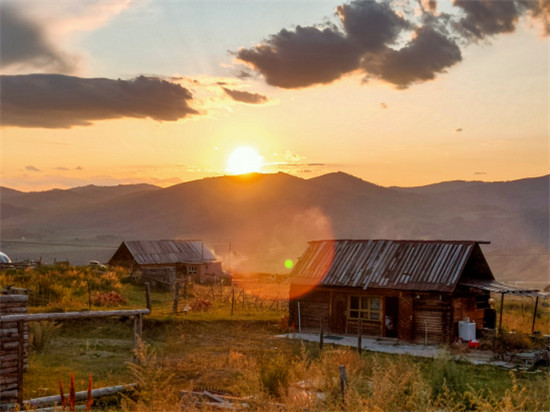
392,264
498,287
156,252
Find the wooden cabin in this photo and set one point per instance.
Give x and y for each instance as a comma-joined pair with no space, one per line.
413,290
165,261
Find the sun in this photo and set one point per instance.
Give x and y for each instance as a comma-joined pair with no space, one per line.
244,160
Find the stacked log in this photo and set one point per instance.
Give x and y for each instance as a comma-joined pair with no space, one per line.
10,358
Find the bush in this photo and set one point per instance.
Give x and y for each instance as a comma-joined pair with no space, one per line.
512,341
41,333
108,299
275,374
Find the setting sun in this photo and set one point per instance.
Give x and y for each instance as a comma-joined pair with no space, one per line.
244,160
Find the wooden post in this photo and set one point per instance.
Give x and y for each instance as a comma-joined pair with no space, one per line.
535,315
359,338
148,295
176,297
232,299
185,288
20,360
501,308
321,337
343,381
135,318
299,319
140,327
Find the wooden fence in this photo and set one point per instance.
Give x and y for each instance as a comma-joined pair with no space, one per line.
14,339
14,342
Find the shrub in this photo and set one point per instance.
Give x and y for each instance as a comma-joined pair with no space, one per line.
41,333
108,299
274,375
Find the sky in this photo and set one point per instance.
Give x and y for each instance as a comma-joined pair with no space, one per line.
400,92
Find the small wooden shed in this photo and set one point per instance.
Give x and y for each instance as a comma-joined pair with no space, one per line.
413,290
165,261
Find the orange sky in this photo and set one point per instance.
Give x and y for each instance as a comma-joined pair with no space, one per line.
483,117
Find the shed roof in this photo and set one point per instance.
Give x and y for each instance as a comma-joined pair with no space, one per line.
498,287
389,264
155,252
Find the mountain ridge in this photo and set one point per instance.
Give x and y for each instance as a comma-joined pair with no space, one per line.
270,217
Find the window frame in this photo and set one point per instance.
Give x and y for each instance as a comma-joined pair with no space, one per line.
364,308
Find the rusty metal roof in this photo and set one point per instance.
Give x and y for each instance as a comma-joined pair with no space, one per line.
156,252
389,264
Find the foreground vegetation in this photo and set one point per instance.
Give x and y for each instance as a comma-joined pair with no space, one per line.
236,352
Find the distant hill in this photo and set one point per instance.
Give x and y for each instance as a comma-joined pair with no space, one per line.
269,218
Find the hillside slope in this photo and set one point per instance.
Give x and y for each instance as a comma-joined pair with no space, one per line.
269,218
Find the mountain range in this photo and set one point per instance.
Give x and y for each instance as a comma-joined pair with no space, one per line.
255,222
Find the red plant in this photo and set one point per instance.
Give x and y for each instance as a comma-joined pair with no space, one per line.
89,399
72,395
62,394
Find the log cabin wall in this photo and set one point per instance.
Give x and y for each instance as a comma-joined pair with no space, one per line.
432,318
314,309
9,347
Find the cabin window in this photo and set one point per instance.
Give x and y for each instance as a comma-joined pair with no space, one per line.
192,269
364,307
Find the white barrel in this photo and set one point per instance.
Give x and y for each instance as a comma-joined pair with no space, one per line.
466,330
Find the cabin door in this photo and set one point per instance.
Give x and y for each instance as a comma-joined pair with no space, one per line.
338,318
405,318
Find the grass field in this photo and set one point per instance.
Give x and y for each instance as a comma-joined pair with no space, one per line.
236,352
244,358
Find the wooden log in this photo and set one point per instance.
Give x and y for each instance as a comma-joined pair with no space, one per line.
9,396
13,298
80,396
72,315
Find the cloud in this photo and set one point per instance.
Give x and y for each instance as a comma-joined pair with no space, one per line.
24,43
458,130
58,101
31,168
429,53
245,97
66,169
386,41
303,57
487,17
373,25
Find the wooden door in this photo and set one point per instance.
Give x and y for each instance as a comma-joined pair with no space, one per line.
405,318
338,319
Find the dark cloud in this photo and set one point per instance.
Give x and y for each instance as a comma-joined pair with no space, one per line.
373,40
245,97
58,101
487,17
428,53
458,130
373,25
244,74
303,57
23,44
541,11
31,168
